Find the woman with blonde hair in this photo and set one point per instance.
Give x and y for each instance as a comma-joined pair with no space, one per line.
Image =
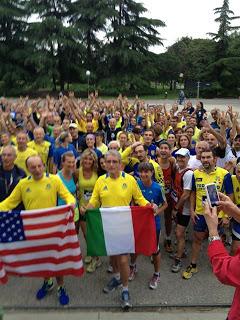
87,178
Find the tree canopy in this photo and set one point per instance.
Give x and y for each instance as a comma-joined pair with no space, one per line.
50,45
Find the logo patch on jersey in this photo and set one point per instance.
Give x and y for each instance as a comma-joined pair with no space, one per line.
105,188
198,179
28,190
48,186
124,186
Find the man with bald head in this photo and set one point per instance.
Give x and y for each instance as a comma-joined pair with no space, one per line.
39,191
23,151
195,161
10,173
43,147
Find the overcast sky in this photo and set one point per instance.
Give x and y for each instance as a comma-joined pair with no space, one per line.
193,18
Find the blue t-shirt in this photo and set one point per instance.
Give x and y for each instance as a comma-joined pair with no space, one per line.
153,194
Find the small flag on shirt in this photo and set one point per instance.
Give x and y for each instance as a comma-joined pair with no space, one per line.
39,243
119,230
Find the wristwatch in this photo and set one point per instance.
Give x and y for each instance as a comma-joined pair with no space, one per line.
213,238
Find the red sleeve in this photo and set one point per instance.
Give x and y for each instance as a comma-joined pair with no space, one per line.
225,267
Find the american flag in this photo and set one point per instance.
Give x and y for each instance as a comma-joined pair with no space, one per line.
39,243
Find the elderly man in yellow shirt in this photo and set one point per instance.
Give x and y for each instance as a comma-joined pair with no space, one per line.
38,191
117,188
42,147
23,151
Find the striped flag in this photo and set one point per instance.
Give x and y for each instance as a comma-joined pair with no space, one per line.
119,230
39,243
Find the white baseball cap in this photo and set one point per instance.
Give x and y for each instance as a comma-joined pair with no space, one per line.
184,152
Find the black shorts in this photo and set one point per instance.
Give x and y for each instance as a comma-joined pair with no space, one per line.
182,220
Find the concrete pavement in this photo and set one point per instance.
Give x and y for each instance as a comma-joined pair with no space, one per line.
216,314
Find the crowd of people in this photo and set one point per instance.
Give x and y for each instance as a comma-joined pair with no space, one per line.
165,156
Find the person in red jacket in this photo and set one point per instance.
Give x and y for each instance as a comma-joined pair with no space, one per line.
225,267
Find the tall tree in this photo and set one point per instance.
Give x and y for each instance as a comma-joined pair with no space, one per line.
13,45
55,40
90,19
129,37
225,18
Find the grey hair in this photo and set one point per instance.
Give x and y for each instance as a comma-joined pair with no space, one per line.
113,153
112,142
11,148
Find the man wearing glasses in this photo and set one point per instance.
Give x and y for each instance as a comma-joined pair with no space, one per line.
117,188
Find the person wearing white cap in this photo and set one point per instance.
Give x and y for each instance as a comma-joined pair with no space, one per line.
181,191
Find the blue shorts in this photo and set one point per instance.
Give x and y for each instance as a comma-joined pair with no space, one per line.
200,225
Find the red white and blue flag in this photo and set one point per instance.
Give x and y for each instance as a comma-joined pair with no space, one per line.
39,243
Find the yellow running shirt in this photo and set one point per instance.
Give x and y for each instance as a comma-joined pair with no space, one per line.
22,157
38,194
110,192
86,187
42,149
219,176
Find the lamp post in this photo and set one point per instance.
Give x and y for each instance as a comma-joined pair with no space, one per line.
88,73
198,89
181,77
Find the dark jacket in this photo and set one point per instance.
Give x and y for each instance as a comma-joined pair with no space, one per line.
9,180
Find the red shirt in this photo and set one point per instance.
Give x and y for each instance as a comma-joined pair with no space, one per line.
227,270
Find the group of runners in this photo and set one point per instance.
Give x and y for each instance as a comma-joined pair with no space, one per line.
65,150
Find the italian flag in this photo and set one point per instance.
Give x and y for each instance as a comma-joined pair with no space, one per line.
119,230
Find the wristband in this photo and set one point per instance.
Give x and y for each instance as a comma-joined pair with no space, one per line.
213,238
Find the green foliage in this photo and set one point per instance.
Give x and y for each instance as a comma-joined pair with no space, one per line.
225,18
111,38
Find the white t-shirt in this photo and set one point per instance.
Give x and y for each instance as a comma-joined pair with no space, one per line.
194,163
187,185
228,157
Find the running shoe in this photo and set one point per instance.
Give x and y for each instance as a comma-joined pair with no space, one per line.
109,269
126,302
176,267
189,272
133,272
112,285
63,297
93,265
154,282
88,259
43,291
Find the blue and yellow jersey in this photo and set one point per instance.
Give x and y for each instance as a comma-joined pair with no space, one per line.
109,192
133,163
219,176
38,194
236,190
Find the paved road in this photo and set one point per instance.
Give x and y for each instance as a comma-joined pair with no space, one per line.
203,289
208,103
